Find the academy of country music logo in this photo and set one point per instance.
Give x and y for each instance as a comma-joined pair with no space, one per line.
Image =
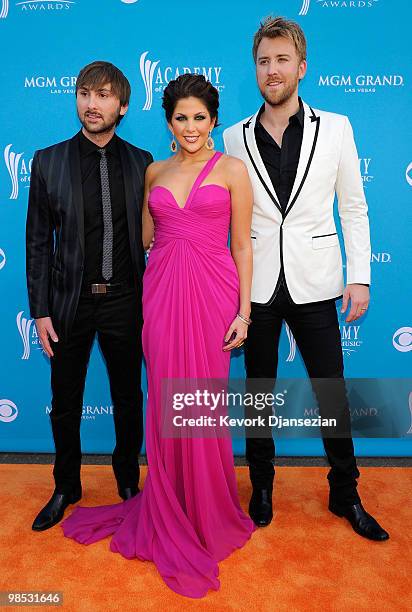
292,344
350,340
28,333
91,412
361,83
8,411
402,339
156,77
408,174
19,169
337,4
2,259
364,165
65,84
36,5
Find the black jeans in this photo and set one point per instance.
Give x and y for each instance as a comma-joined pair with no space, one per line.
316,330
116,318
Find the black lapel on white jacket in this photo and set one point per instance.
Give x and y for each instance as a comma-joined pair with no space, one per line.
310,133
246,126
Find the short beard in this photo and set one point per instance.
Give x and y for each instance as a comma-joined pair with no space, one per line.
278,100
105,128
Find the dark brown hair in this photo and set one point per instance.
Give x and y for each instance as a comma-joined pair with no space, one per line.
187,86
97,74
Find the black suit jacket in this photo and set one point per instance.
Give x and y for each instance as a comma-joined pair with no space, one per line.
55,227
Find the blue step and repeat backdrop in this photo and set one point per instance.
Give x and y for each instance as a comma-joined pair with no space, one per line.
358,65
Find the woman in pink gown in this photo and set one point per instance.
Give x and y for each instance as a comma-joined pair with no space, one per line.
196,304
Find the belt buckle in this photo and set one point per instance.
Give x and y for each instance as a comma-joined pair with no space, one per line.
99,288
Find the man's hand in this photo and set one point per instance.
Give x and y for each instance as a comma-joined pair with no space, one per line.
45,331
359,301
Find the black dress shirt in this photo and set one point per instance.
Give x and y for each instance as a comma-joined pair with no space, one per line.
93,213
281,163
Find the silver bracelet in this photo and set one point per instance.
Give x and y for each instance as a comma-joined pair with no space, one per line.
244,319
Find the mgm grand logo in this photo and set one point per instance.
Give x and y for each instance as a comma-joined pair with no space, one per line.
54,84
361,83
91,413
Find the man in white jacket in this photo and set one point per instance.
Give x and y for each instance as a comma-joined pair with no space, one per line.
298,158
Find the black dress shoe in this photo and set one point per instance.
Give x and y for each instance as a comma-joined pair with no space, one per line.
128,492
53,511
363,523
260,507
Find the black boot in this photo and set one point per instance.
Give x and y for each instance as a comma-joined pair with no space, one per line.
128,492
363,523
260,507
53,511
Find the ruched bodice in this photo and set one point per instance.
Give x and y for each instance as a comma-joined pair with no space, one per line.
204,219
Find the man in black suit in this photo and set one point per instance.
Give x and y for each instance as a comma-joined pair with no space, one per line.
85,262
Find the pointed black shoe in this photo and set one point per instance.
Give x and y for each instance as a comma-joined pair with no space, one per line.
363,523
260,507
53,511
128,492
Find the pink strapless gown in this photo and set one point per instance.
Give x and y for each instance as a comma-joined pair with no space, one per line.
188,516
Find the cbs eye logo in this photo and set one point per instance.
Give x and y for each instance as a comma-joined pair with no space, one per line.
402,339
8,411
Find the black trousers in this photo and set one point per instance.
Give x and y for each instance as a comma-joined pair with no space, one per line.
117,321
316,330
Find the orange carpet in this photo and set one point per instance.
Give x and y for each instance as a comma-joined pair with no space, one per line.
307,559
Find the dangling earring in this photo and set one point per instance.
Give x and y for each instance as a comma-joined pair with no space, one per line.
210,143
173,145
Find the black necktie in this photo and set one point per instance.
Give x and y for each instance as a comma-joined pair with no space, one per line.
107,262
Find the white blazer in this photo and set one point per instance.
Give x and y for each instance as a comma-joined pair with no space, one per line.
303,238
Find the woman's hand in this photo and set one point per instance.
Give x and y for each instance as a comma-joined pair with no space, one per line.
239,328
151,245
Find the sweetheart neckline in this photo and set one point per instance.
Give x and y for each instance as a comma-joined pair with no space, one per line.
198,189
